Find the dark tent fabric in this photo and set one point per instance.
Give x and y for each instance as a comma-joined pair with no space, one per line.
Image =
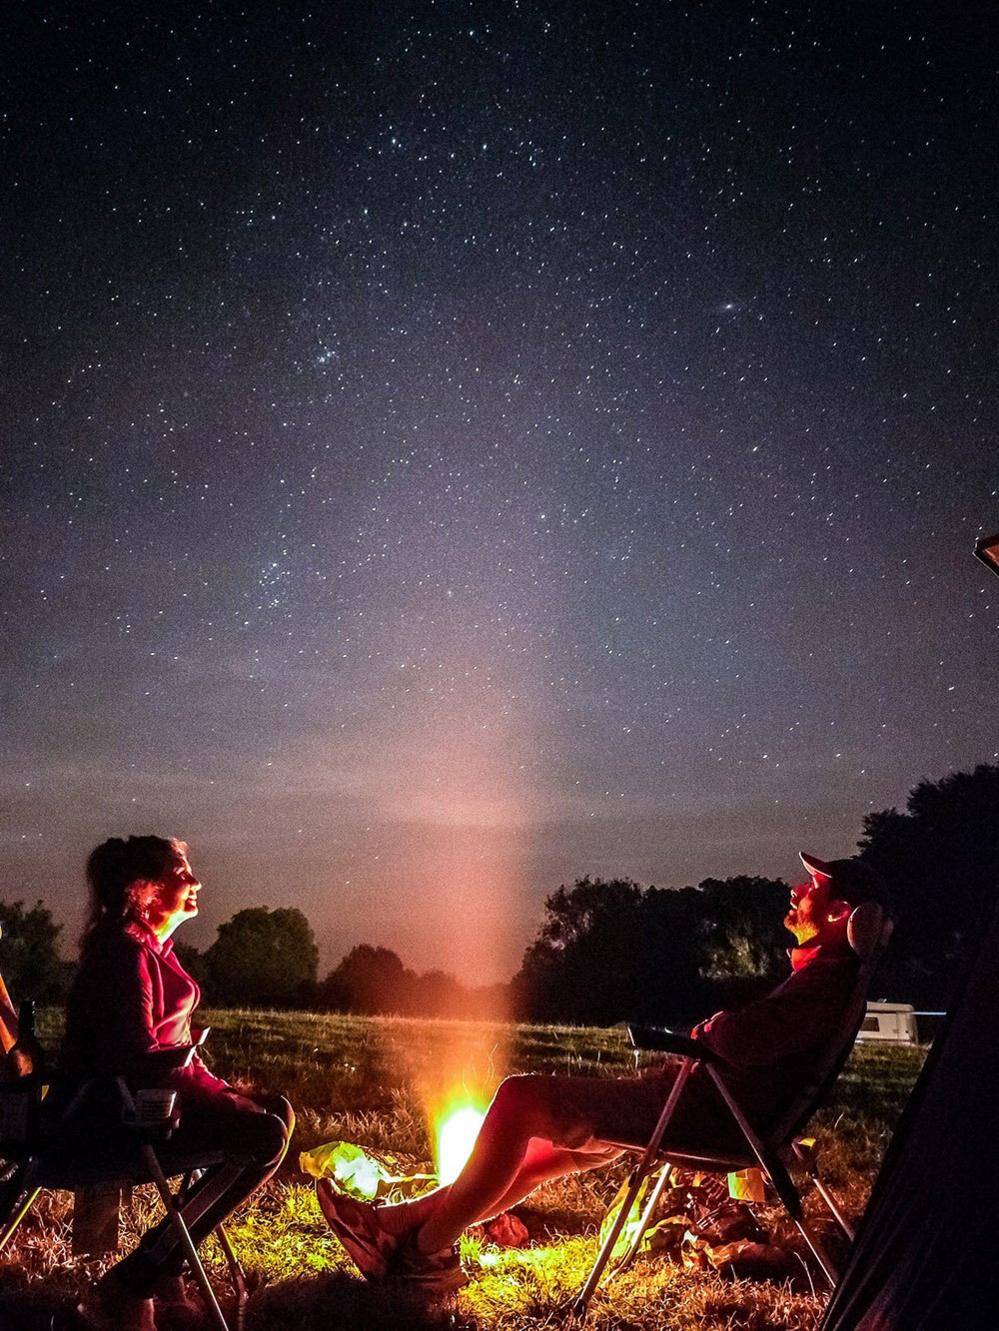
926,1257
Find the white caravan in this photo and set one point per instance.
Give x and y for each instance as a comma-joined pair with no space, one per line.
893,1023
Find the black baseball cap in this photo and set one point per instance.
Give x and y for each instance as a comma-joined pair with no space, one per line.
850,880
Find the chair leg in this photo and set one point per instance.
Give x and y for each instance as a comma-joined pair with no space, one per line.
783,1184
829,1269
834,1210
582,1302
184,1236
236,1272
807,1157
643,1224
776,1171
20,1211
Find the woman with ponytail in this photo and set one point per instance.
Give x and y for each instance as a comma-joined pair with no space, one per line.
132,998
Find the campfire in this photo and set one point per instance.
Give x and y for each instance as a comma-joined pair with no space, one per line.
456,1128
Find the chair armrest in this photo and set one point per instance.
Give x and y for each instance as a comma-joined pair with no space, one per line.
158,1062
667,1041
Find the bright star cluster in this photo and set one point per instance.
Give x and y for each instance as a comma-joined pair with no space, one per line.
455,447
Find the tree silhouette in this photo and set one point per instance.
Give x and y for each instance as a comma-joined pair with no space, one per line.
29,953
586,942
610,951
742,925
373,980
941,861
263,957
369,980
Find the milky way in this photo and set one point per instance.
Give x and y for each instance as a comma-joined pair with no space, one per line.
453,448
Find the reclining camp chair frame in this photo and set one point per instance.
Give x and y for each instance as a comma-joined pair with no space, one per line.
869,931
32,1175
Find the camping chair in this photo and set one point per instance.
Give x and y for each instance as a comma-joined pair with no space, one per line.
36,1153
869,929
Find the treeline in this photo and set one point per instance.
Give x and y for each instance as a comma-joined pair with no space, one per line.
269,958
611,950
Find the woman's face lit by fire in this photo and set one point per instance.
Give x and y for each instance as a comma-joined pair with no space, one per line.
173,899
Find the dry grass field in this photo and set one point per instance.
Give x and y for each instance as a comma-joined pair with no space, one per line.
375,1082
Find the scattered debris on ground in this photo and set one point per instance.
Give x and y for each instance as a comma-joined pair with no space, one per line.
703,1229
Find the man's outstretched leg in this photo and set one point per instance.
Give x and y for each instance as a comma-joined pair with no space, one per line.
536,1129
514,1152
439,1217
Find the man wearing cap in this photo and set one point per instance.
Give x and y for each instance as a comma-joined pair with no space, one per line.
540,1128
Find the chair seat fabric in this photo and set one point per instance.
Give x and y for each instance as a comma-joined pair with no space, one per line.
126,1171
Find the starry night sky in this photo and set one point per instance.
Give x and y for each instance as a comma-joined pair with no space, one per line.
452,448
